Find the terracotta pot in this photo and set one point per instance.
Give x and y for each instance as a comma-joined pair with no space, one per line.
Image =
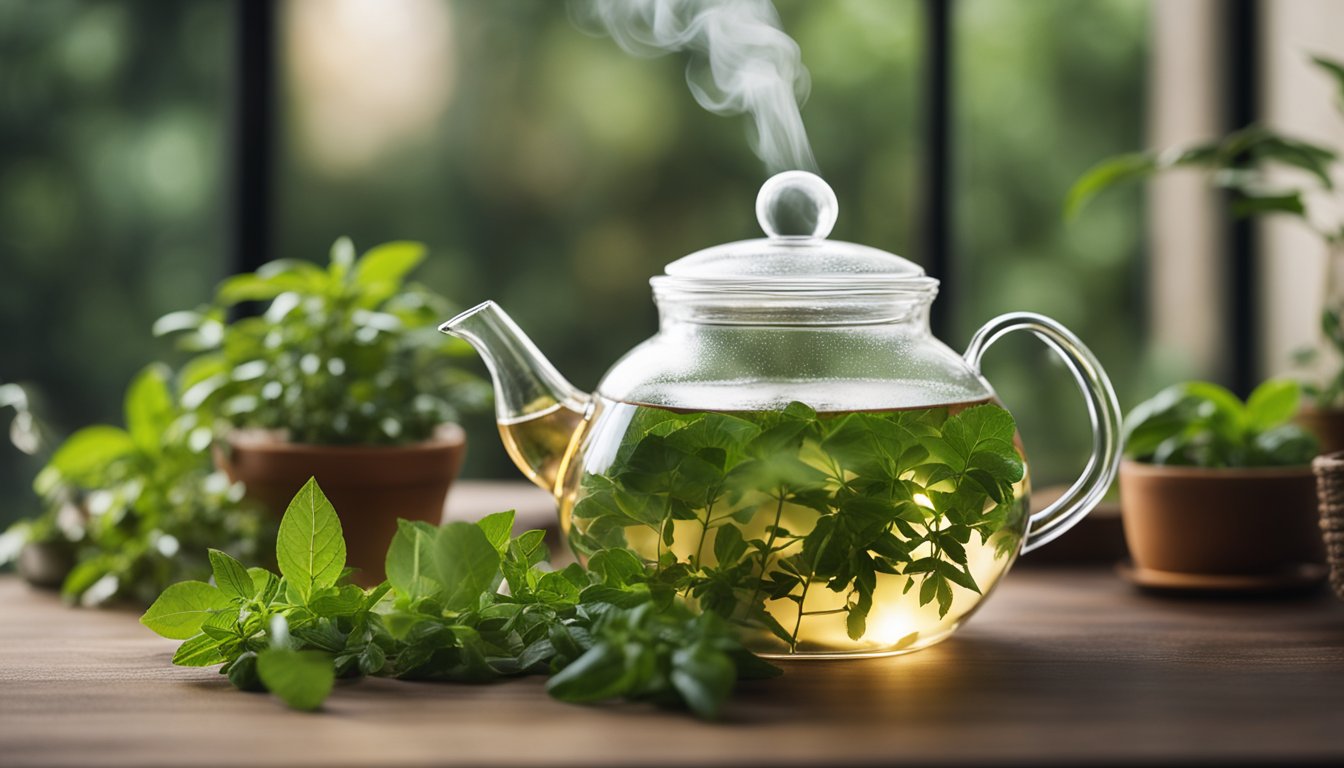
1326,424
370,486
1220,522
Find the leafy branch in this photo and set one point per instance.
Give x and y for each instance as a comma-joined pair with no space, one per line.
1241,163
791,500
1238,162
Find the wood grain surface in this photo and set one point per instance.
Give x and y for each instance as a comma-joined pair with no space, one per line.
1061,667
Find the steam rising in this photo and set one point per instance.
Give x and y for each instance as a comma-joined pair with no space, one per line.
741,62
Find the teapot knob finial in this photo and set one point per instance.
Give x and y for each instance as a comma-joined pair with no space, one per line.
796,204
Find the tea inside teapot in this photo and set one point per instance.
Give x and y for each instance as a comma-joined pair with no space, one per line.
830,532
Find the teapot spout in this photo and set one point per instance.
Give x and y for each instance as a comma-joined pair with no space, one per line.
540,414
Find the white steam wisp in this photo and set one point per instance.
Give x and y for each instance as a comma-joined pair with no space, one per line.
741,62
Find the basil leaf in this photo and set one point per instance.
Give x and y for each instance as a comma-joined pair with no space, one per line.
598,674
345,600
411,567
179,612
497,527
199,651
265,585
704,677
231,576
310,547
468,565
243,673
302,679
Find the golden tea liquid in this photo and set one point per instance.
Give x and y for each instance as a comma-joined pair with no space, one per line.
540,442
832,533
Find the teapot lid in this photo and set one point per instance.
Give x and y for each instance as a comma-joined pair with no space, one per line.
797,210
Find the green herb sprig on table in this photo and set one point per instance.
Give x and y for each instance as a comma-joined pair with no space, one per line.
602,633
897,492
1200,424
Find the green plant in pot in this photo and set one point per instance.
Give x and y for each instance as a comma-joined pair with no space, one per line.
1304,186
342,377
128,511
1218,493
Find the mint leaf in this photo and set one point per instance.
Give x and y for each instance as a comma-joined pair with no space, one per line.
498,527
310,547
222,625
524,552
468,565
242,672
956,575
730,434
231,576
265,584
411,567
179,612
618,567
345,600
704,676
600,673
986,428
302,679
199,651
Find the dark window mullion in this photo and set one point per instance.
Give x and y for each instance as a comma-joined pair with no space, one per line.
937,171
1241,53
253,150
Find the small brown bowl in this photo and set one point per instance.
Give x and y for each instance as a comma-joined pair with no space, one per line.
1233,526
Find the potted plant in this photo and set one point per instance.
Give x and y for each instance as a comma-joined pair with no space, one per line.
1240,163
128,511
1216,493
342,377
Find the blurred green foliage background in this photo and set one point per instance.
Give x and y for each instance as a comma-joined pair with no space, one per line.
547,170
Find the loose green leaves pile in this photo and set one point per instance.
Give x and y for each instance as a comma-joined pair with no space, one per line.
1203,425
747,508
602,633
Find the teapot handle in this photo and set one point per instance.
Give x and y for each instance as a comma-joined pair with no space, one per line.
1102,408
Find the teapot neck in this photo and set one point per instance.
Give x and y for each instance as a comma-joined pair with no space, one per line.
794,308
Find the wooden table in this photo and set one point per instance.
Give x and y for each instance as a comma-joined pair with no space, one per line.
1063,666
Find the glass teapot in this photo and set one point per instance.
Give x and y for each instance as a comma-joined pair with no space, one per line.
794,449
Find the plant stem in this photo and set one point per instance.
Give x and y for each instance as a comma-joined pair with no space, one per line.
802,599
765,556
667,513
798,624
704,531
